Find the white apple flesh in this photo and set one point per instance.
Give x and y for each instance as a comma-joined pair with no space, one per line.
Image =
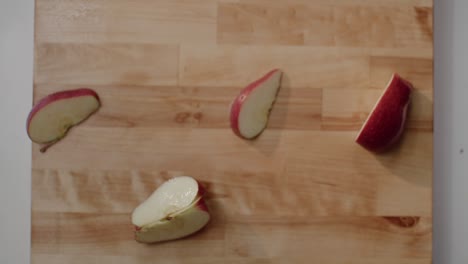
385,124
250,110
175,210
52,117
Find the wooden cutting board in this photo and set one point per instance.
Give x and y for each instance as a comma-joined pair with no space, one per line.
166,72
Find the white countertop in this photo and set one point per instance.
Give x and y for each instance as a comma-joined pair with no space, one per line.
451,130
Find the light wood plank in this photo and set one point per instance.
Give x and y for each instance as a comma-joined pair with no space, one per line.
418,71
142,21
303,66
111,64
247,23
112,234
320,24
282,166
358,237
337,176
79,259
380,3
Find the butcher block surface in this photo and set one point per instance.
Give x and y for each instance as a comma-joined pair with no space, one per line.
166,72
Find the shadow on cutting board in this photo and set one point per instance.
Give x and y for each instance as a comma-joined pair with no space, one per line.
396,158
268,141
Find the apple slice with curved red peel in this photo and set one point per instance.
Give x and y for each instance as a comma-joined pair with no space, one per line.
175,210
385,124
251,108
52,117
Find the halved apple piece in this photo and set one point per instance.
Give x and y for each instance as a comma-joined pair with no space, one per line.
386,122
175,210
250,110
52,117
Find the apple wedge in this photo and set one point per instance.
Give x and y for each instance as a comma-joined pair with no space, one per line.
250,110
386,122
175,210
52,117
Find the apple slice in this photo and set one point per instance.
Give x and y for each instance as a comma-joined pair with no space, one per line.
251,108
52,117
386,122
175,210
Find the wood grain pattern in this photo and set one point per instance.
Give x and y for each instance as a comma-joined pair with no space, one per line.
143,21
324,24
106,64
236,65
166,72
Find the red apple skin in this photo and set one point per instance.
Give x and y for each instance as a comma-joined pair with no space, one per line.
59,96
202,205
201,190
386,123
237,103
